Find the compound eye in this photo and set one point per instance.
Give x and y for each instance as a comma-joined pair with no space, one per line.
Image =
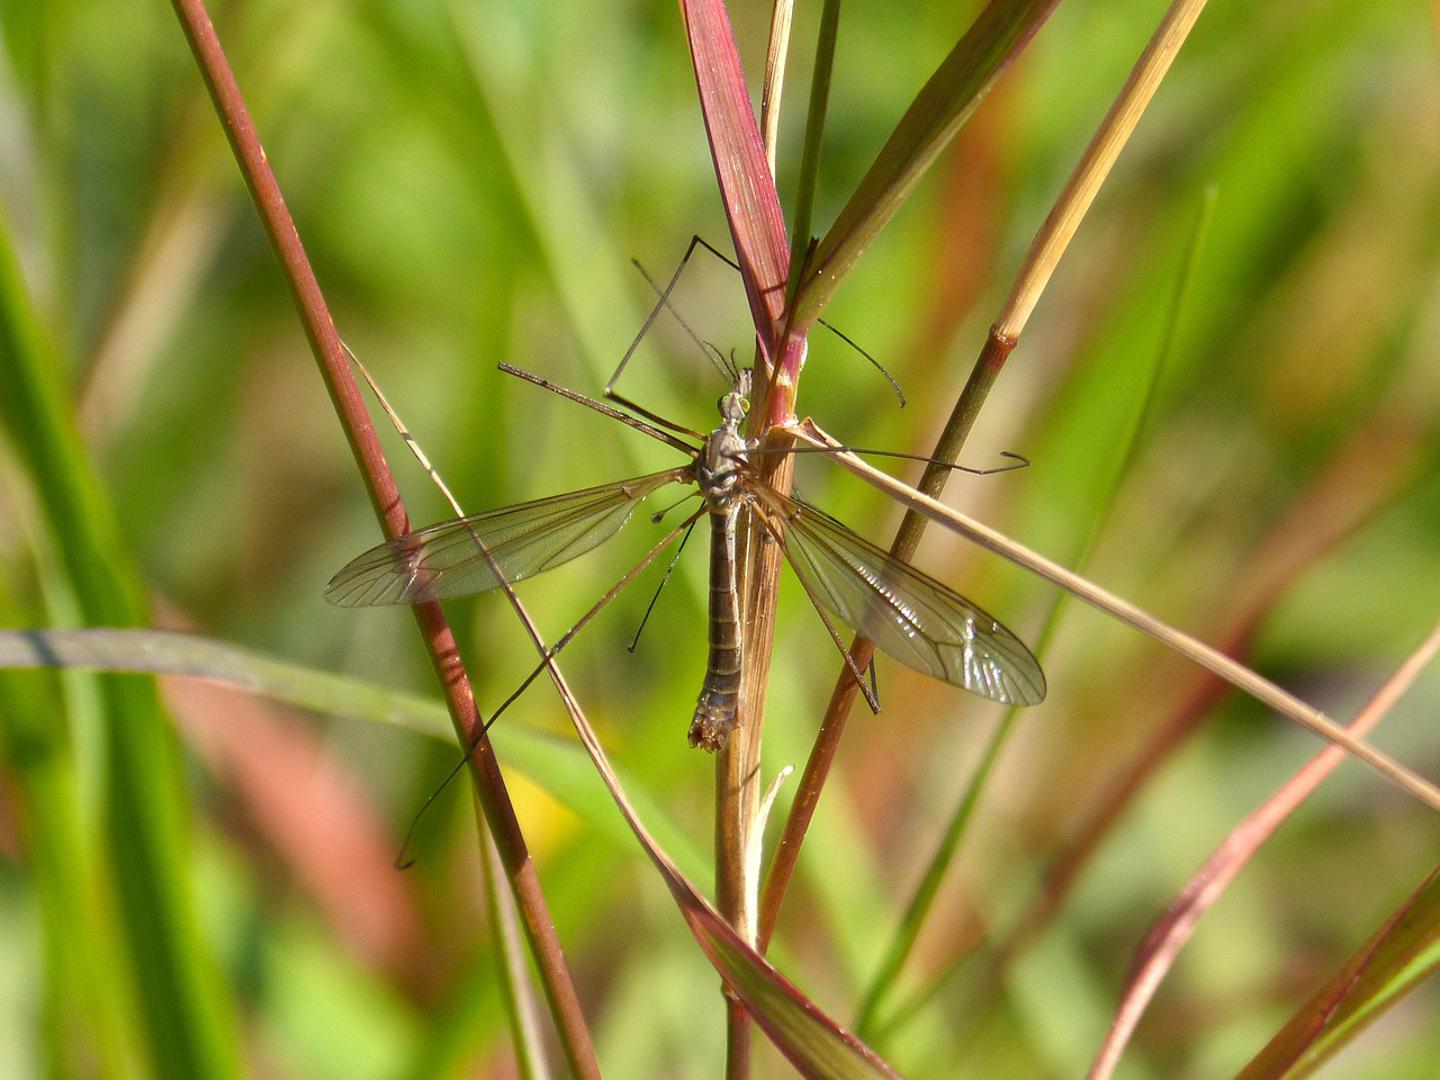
720,404
744,406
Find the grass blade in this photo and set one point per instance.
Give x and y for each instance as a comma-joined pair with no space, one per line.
813,1042
752,205
90,1013
516,991
187,1013
557,766
945,102
1237,674
1397,958
919,907
1168,936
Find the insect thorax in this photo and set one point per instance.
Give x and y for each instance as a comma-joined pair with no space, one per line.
718,466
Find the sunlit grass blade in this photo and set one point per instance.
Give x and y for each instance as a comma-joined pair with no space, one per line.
187,1012
1263,690
1363,480
1045,252
752,206
945,102
557,766
1400,955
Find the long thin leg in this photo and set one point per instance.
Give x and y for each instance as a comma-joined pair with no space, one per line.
870,697
660,305
635,641
1018,461
846,338
401,863
601,407
712,354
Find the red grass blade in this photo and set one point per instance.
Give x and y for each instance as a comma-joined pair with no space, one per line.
752,206
439,640
813,1042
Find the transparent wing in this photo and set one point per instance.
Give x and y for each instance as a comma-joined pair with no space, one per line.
450,558
907,614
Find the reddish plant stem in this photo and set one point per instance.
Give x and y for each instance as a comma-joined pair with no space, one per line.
390,510
737,1038
947,448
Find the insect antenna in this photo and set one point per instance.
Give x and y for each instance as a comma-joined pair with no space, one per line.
635,641
728,367
401,862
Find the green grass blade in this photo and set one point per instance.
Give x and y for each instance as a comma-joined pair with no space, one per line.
186,1011
813,1043
516,990
1395,960
945,102
90,1024
557,766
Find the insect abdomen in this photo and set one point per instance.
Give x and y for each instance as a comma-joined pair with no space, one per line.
720,694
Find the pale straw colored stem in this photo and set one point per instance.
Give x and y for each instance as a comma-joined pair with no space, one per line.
1236,674
781,16
1080,190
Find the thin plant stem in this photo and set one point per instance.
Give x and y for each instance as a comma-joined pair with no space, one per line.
738,778
1236,674
1365,478
739,790
1095,164
514,973
1165,940
782,15
380,484
1043,256
842,698
820,80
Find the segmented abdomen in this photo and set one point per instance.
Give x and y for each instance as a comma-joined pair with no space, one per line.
720,694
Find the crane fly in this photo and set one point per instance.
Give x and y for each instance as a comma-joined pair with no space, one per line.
907,614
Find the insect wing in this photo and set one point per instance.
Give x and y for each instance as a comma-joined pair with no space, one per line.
462,556
908,615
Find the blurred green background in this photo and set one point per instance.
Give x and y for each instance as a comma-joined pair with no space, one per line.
471,181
